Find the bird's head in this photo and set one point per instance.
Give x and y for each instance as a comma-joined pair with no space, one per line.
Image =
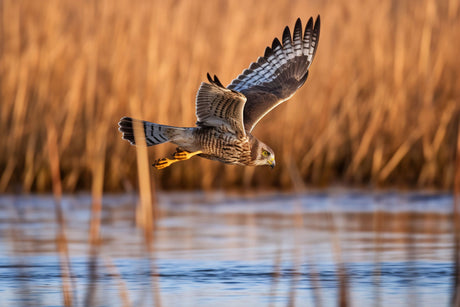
263,155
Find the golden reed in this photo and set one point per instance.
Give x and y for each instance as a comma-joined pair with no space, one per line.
381,104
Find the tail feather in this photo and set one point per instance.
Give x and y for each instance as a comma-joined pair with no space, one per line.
154,133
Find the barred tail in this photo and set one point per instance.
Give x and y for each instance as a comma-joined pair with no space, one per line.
154,133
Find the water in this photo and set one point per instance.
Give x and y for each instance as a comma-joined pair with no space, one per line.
232,250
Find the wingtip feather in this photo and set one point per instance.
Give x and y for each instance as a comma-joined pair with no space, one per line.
217,81
268,52
286,35
317,24
309,25
298,26
276,43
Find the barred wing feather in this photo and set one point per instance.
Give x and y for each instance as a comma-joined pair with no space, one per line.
217,106
276,76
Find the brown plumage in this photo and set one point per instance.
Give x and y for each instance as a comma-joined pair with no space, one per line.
227,116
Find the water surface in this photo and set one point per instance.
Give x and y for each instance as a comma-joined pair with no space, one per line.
232,250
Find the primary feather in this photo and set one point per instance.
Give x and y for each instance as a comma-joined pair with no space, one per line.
276,76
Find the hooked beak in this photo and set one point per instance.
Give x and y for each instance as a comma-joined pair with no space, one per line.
272,162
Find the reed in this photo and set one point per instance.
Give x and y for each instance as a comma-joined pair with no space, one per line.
456,228
380,103
62,247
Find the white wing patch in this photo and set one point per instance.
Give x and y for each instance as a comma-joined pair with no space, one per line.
268,68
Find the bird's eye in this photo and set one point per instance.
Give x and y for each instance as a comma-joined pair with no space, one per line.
265,153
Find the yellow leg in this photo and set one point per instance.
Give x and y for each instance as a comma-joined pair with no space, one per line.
179,155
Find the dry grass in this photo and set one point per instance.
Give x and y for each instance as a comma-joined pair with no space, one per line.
381,103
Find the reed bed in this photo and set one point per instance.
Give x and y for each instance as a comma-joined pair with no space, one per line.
381,104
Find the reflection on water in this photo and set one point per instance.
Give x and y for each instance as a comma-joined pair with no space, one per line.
209,249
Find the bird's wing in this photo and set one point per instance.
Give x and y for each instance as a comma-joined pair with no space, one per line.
276,76
217,106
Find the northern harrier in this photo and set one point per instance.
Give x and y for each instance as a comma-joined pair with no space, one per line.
227,115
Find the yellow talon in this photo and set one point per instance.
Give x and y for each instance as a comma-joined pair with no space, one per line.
184,155
163,163
179,155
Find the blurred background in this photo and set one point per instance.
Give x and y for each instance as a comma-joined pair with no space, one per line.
381,105
361,208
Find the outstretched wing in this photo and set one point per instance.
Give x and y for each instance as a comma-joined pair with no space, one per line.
276,76
217,106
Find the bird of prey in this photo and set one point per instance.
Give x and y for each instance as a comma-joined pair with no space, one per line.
226,116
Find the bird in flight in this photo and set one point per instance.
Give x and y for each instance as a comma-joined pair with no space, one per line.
226,116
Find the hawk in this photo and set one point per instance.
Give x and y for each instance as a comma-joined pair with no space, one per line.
226,116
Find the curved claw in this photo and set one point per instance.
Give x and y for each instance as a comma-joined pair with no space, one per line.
162,163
